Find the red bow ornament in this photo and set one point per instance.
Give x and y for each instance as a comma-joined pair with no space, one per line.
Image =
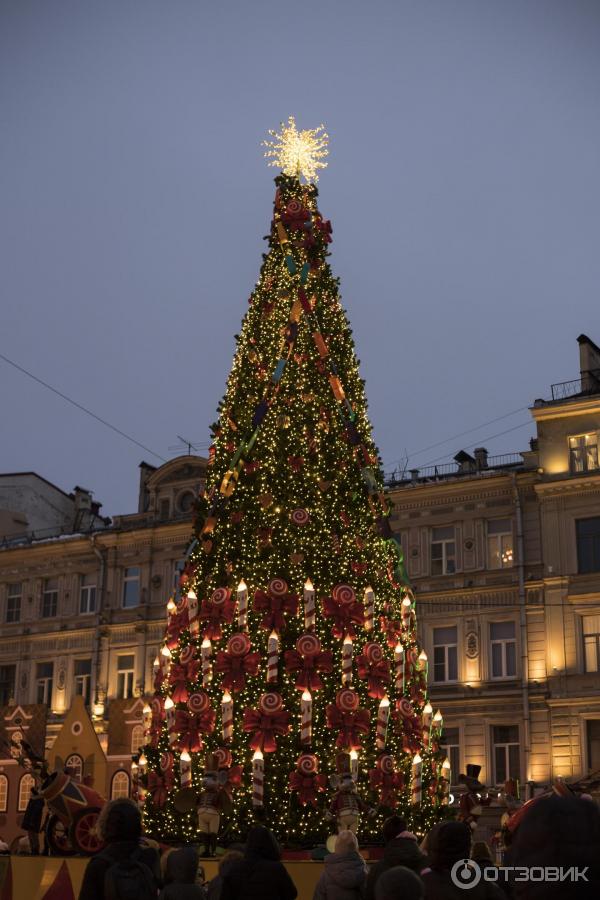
160,786
276,603
376,673
267,722
178,621
308,660
191,727
387,785
409,725
179,676
392,629
216,611
350,725
345,616
324,226
307,786
235,666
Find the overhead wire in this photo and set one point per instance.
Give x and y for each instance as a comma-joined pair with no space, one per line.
80,407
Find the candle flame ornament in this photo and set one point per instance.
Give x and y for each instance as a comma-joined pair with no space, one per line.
206,652
383,717
296,152
416,784
309,605
242,599
258,779
227,716
306,718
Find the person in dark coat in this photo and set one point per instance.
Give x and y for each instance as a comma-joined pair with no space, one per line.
399,883
32,820
215,885
120,827
344,871
563,832
401,849
182,872
260,875
451,842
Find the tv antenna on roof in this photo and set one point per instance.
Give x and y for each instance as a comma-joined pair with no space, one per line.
190,446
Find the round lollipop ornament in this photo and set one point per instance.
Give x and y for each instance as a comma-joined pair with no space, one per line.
347,700
238,644
308,645
278,587
343,593
270,702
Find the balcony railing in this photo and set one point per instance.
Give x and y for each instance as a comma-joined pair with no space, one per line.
453,470
588,383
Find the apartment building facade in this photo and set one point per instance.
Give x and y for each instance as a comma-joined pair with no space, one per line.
504,555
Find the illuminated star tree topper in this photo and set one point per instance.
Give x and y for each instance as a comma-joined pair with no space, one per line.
296,152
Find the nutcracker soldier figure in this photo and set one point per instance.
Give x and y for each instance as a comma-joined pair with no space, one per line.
346,805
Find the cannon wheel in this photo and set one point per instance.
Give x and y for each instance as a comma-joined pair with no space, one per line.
82,833
57,836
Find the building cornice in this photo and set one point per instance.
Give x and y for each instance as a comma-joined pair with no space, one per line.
560,410
571,486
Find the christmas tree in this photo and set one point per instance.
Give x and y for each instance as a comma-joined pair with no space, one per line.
290,652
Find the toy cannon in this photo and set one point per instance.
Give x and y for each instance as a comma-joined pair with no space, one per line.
74,810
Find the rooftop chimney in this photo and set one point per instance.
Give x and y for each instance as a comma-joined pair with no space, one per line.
146,471
414,475
466,462
481,457
589,365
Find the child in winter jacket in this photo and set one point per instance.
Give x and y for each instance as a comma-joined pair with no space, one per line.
344,871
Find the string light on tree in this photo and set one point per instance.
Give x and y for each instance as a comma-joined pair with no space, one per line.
296,152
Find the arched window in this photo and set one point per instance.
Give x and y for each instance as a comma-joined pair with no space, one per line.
3,793
25,785
137,738
75,764
119,786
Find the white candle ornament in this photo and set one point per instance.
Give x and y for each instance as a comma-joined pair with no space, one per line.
143,764
423,666
354,764
227,716
272,658
446,778
258,779
309,606
306,718
347,661
192,601
437,725
171,607
170,717
406,610
369,609
399,667
383,716
147,714
165,661
242,599
426,719
185,769
206,653
417,769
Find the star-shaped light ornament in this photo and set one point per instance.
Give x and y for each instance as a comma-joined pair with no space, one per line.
298,152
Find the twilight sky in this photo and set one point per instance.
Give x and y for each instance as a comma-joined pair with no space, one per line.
463,187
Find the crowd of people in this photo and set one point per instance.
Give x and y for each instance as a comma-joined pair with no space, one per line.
557,842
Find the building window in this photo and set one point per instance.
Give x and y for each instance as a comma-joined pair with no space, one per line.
185,501
125,673
588,544
445,653
137,738
87,594
119,786
583,453
592,727
3,793
590,629
164,509
25,785
50,598
13,602
504,649
82,672
44,674
7,684
443,551
75,765
450,744
507,763
500,543
131,587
